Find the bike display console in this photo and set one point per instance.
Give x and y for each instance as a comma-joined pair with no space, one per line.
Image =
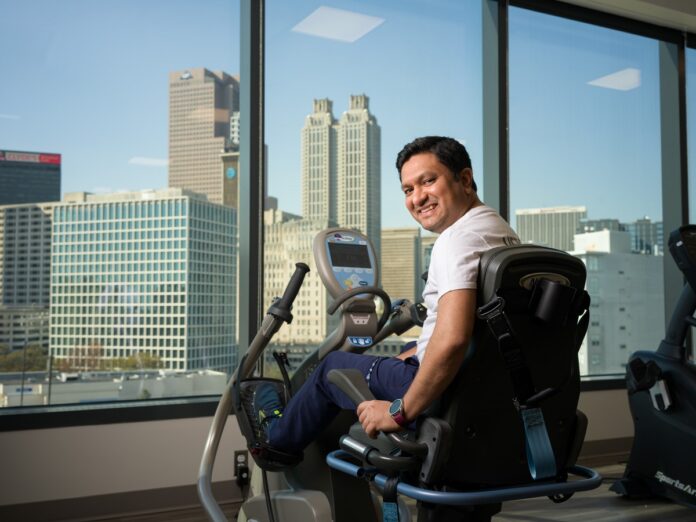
345,260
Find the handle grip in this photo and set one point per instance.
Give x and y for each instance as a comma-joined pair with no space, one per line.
281,308
353,384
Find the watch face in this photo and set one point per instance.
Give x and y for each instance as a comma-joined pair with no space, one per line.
395,407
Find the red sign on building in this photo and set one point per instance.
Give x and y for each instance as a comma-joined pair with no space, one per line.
30,157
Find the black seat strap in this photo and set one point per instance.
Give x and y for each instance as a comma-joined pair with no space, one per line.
493,313
540,457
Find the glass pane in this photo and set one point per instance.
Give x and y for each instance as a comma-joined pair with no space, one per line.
117,200
346,88
691,128
585,171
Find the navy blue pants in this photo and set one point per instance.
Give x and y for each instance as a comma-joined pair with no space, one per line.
318,401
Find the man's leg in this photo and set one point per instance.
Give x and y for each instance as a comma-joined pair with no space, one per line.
318,402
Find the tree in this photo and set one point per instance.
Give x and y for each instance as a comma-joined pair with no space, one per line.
32,358
138,361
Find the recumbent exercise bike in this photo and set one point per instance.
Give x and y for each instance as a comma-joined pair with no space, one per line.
507,427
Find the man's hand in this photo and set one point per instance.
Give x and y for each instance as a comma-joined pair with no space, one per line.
374,417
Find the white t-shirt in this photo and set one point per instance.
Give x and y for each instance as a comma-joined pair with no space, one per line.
455,258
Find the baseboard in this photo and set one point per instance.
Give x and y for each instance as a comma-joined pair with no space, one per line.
605,452
117,505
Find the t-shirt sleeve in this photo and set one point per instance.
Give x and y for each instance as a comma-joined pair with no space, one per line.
459,262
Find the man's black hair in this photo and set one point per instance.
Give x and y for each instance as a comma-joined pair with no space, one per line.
448,151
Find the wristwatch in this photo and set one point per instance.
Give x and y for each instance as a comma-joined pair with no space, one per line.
396,410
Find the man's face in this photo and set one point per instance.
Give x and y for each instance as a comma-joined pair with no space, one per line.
433,196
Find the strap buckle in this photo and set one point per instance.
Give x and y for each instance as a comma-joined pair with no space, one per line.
491,309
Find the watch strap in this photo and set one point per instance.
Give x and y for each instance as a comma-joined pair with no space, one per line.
398,416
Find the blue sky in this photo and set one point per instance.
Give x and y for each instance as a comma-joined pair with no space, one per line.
89,80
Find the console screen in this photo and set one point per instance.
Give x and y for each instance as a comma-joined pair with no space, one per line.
349,255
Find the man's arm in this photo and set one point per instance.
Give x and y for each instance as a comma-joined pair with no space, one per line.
408,353
443,357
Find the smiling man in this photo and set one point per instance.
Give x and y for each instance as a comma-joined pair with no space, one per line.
437,181
440,193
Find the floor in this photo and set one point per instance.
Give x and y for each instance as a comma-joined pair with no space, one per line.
594,506
599,505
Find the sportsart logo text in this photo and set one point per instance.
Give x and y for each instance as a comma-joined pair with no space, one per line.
686,488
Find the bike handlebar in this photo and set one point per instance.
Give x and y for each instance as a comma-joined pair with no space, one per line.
281,308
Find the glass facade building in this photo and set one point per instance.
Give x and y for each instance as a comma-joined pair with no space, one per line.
29,177
144,274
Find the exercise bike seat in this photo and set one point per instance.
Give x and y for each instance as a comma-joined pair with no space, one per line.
533,314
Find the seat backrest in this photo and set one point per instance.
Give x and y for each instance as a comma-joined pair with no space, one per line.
488,442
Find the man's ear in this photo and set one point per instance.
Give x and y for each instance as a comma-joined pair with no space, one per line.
467,178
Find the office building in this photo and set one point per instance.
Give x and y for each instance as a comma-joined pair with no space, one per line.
29,177
554,227
595,225
401,267
647,237
25,254
319,171
288,239
359,173
149,275
627,301
25,272
201,103
341,167
23,326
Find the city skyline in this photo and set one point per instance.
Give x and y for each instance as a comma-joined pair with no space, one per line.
130,153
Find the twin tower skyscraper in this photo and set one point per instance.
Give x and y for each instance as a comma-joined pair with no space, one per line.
341,174
340,158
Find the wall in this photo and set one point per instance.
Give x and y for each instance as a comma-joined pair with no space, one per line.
65,463
62,463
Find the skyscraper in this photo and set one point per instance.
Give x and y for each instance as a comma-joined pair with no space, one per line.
341,167
359,174
552,226
29,177
201,103
144,273
319,185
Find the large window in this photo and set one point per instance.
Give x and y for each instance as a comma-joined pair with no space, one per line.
119,154
585,170
347,86
119,165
